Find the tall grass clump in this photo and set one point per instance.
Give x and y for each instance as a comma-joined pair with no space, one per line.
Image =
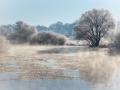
48,38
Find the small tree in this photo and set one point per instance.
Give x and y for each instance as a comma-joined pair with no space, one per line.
93,25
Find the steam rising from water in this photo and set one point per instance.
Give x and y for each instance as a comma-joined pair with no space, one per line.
95,66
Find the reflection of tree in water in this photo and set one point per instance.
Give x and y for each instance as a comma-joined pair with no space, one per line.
94,67
97,71
63,50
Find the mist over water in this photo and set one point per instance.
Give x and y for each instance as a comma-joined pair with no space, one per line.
72,67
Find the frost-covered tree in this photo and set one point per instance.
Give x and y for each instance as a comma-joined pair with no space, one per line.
6,31
23,32
93,25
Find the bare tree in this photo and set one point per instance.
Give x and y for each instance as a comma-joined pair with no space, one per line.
93,25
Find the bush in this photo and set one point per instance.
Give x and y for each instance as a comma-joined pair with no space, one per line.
114,46
4,44
48,38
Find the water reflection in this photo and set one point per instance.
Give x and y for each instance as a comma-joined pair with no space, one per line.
7,76
94,68
62,50
45,84
12,64
98,72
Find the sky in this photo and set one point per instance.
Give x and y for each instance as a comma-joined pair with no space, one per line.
46,12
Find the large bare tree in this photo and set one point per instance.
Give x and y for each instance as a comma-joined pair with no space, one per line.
93,25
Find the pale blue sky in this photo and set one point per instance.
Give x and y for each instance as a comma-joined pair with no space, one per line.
46,12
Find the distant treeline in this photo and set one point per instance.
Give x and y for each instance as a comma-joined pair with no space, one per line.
64,29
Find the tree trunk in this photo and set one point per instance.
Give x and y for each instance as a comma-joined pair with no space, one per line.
95,44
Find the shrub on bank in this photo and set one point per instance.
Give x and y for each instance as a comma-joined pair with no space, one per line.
48,38
114,46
